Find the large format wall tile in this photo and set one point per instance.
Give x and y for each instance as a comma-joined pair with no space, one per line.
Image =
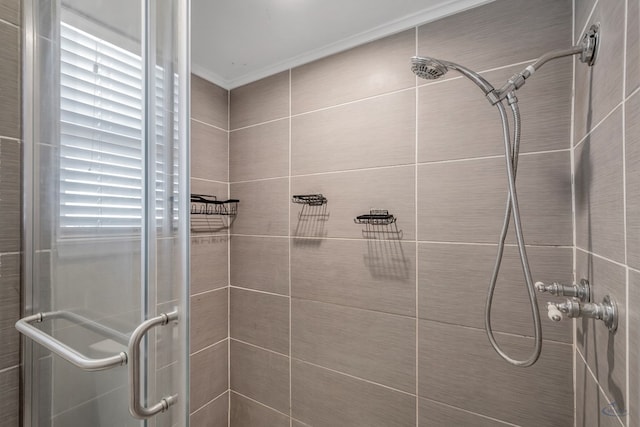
372,274
10,195
350,194
634,348
209,263
10,82
263,207
458,366
259,151
632,154
442,280
213,414
465,201
375,346
504,32
260,101
260,263
434,414
247,413
10,397
369,133
371,69
598,89
604,353
322,398
9,310
209,374
209,152
592,407
260,375
599,190
209,103
545,106
208,318
260,319
633,46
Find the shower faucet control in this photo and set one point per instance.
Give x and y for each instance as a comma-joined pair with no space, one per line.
607,311
582,291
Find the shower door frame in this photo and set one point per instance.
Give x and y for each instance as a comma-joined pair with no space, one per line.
30,176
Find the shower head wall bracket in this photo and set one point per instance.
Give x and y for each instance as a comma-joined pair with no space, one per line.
590,44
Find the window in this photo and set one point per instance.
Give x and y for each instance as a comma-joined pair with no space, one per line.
101,156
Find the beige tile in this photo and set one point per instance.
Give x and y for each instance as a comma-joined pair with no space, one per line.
10,118
599,190
434,414
260,263
378,347
260,319
350,194
10,350
9,290
339,78
598,89
209,152
209,263
10,11
465,201
634,348
10,191
374,132
462,273
260,375
247,413
474,378
208,318
209,103
372,274
259,151
322,398
632,156
263,207
260,101
10,397
633,46
604,352
213,414
209,375
504,32
545,106
592,407
582,10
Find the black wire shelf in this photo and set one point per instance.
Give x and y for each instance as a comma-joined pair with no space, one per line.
309,199
206,204
376,217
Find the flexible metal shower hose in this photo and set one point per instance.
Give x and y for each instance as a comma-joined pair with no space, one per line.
512,152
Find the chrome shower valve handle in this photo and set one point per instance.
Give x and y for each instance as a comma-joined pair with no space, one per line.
582,290
607,311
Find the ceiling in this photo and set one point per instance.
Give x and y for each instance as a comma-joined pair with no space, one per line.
234,42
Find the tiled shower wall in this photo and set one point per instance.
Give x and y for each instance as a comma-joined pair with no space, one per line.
209,401
336,324
10,146
606,153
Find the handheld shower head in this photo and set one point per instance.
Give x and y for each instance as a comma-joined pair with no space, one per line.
428,68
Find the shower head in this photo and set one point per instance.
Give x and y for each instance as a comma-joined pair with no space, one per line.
428,68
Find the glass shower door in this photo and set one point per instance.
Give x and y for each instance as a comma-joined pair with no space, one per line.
105,213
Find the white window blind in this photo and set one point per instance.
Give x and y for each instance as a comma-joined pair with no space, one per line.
101,163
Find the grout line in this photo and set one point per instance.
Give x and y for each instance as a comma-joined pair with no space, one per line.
289,258
209,402
210,346
209,291
586,24
228,260
268,122
5,370
586,252
261,404
632,93
4,21
208,180
628,404
415,201
502,422
260,347
19,141
258,291
572,130
593,128
209,125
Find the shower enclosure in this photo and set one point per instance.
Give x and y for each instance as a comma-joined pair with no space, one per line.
105,213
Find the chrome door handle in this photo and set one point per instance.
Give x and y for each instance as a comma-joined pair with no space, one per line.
25,327
135,407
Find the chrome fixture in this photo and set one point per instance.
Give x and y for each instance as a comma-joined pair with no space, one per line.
431,68
582,290
132,357
607,311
